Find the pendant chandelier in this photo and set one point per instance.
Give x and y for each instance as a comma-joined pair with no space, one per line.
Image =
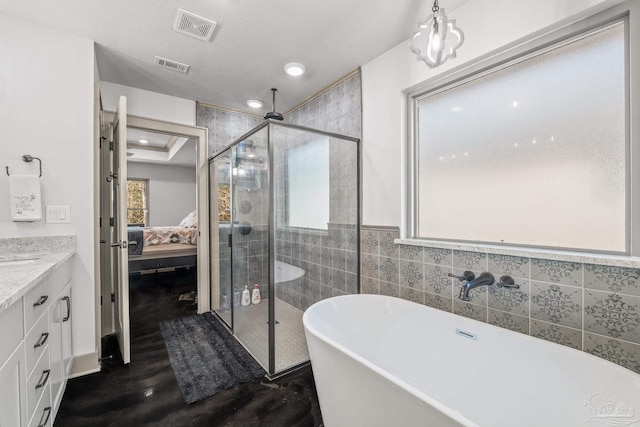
436,38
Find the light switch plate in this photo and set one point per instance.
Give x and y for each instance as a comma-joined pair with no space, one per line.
58,214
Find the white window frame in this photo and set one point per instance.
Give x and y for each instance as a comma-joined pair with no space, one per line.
520,50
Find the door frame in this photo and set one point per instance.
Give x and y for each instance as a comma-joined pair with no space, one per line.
200,134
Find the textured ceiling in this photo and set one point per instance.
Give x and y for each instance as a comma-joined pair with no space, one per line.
252,42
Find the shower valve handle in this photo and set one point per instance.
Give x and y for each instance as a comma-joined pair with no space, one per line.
466,276
507,282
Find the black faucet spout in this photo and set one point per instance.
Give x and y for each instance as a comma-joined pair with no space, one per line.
485,279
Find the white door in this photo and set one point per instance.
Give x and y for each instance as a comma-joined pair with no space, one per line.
119,241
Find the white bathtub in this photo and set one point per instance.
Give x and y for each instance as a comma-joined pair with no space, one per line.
382,361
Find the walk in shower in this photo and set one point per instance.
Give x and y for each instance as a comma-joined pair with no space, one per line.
284,215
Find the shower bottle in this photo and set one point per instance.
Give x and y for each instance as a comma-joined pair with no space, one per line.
246,298
255,295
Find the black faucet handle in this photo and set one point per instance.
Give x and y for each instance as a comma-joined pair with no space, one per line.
466,276
507,282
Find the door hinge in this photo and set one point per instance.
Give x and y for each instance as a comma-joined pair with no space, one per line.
100,222
113,297
112,222
100,299
110,145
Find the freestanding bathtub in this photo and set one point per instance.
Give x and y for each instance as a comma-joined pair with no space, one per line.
383,361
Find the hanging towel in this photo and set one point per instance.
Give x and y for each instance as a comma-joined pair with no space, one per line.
26,201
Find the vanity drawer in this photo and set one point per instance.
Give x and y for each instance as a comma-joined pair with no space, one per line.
11,330
38,382
59,277
36,302
36,342
43,415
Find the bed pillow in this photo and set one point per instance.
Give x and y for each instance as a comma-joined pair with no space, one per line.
190,221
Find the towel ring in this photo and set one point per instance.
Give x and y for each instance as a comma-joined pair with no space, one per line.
27,159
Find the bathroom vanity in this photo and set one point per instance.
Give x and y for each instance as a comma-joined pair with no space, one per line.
35,326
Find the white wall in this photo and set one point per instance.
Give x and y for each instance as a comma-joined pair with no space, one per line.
150,105
172,191
46,110
487,26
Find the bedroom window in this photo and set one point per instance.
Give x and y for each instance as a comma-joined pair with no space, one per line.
532,149
138,201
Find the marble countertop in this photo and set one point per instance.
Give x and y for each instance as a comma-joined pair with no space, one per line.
25,262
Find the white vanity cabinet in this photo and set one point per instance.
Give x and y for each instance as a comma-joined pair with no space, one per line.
36,351
13,401
61,350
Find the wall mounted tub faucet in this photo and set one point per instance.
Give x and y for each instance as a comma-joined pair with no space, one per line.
484,279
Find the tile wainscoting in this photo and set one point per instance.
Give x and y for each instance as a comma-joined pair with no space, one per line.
586,306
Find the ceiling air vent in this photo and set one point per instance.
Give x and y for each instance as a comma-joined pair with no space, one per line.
194,26
171,65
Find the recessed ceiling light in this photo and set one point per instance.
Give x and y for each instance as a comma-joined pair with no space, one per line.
294,69
143,141
254,103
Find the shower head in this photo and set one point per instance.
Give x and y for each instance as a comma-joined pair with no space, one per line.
273,114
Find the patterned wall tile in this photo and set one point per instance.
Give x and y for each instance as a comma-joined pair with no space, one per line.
556,304
614,315
389,270
514,266
351,283
411,253
509,321
440,302
389,289
411,294
351,262
437,256
620,352
369,242
338,258
512,300
369,285
368,265
566,273
474,261
612,279
387,247
436,280
411,274
472,311
557,334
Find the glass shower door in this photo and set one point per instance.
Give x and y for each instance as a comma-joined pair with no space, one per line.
250,247
221,291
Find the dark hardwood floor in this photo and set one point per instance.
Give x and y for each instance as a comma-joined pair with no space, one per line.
145,392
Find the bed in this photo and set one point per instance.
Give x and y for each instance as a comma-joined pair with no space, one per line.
163,247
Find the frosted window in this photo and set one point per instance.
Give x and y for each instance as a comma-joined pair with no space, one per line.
532,154
308,184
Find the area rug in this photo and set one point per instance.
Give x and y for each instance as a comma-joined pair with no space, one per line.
205,357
